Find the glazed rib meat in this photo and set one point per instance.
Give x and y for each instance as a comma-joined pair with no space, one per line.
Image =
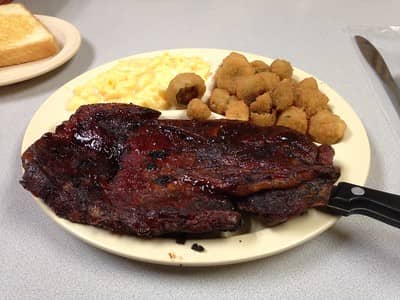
77,170
276,206
119,167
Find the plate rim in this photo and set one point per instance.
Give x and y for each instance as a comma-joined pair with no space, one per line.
69,49
66,225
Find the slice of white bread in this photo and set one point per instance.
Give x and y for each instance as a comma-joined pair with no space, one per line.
22,37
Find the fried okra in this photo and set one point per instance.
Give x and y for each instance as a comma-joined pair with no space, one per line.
237,110
282,68
294,118
263,104
260,111
270,79
308,83
283,95
249,87
234,66
311,100
270,96
219,100
326,128
185,87
260,66
263,119
198,110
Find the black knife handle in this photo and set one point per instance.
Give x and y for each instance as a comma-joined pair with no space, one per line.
348,199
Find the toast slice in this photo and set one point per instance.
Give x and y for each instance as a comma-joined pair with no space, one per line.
22,37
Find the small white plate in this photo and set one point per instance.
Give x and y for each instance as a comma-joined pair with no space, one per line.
69,40
352,155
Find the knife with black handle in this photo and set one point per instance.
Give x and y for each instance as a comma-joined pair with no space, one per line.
349,199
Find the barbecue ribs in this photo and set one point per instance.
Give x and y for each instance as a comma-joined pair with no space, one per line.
120,168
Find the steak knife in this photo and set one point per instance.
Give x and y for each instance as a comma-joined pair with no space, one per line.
348,199
378,64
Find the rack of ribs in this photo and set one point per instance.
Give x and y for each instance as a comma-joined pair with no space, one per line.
119,167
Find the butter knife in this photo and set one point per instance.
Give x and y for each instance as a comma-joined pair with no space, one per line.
378,64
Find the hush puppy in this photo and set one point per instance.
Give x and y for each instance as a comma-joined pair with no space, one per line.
294,118
233,66
326,128
312,101
237,110
282,68
183,88
260,66
263,104
283,95
198,110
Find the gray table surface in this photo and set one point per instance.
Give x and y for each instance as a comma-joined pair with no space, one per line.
357,259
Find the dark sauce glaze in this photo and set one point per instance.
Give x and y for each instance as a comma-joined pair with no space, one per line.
118,167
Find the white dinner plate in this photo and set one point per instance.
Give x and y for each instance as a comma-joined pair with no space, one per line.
69,41
352,155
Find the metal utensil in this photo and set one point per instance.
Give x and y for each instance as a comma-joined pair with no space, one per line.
378,64
349,199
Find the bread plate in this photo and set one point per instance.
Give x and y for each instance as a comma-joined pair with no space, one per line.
69,40
352,155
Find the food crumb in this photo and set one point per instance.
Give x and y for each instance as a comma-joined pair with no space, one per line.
240,241
198,248
172,255
181,240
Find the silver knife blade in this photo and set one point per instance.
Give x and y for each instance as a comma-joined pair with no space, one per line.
378,64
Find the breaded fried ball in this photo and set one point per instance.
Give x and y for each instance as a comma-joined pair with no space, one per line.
282,68
326,128
312,101
270,79
249,87
260,66
198,110
308,83
234,66
263,119
283,95
237,110
183,88
263,104
219,100
294,118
